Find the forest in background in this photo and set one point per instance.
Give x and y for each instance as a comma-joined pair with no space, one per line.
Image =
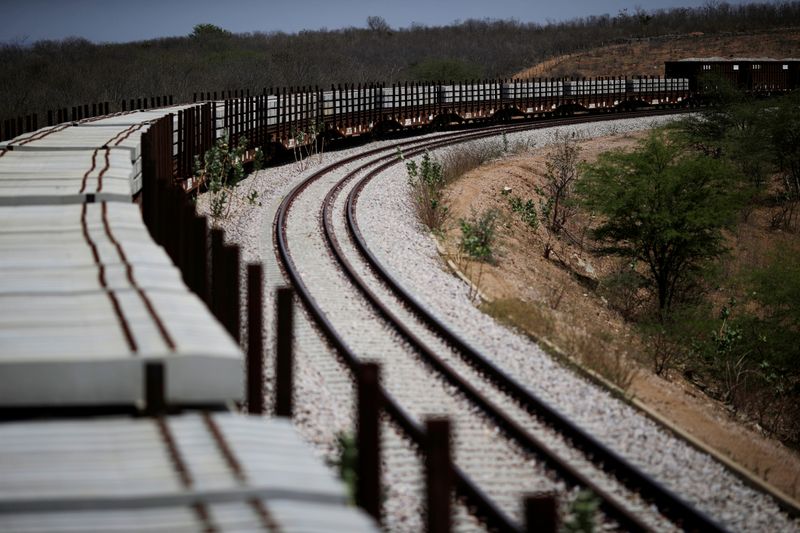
36,77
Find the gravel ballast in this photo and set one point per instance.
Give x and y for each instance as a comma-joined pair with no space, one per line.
324,392
392,233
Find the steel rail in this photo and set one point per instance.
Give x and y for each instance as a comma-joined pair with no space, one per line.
486,509
609,503
669,503
472,494
519,435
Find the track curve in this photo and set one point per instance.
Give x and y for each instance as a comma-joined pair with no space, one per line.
673,506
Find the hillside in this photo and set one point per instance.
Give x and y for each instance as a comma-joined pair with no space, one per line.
646,56
36,77
579,324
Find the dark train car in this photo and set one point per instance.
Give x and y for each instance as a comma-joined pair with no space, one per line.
759,75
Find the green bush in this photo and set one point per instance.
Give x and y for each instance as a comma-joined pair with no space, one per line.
625,290
582,513
478,235
347,463
526,211
222,168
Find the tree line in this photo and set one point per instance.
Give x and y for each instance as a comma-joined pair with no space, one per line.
35,77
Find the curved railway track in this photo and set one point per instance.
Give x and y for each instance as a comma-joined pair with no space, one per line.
366,315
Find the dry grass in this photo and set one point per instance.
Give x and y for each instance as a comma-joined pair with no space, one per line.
593,350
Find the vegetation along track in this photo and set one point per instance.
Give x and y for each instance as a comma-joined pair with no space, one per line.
429,370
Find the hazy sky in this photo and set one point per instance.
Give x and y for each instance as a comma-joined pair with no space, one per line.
129,20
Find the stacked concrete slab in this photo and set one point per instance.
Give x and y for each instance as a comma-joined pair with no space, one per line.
89,305
212,472
96,159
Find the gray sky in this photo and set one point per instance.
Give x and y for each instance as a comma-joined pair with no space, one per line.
130,20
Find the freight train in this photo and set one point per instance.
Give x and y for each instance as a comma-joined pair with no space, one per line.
290,116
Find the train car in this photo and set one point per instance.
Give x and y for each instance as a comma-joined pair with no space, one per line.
351,110
757,75
532,96
470,101
408,104
657,90
594,93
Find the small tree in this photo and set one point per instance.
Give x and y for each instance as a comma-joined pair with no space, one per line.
208,31
378,24
661,207
560,175
478,235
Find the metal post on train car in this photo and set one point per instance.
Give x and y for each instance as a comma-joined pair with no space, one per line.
370,403
319,118
200,258
541,513
155,398
255,339
186,249
160,222
438,475
342,109
232,292
284,363
216,291
362,104
179,224
148,181
404,109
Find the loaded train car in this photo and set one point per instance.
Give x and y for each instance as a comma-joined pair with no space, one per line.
296,116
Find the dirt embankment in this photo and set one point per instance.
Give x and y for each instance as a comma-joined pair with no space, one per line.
646,57
547,300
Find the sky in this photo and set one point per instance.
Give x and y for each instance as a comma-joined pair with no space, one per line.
26,21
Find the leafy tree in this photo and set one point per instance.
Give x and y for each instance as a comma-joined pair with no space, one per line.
662,207
707,130
208,31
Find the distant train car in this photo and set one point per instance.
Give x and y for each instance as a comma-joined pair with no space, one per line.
758,75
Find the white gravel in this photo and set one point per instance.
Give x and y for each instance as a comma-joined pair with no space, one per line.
324,392
385,217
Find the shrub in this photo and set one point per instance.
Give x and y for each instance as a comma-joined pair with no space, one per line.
427,191
347,462
625,290
222,169
560,176
478,235
582,513
526,211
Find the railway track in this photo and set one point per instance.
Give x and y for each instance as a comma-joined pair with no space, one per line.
429,370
